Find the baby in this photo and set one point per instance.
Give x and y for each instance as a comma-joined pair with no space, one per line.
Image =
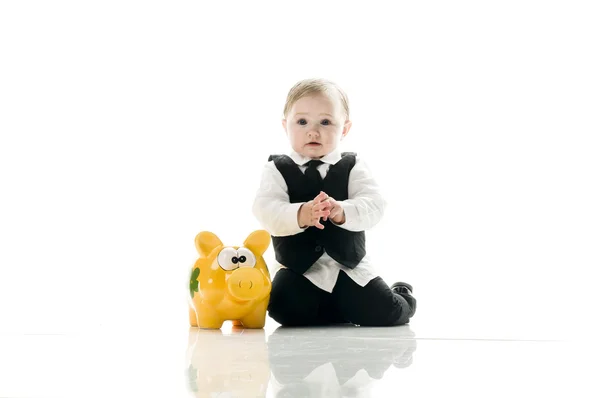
316,203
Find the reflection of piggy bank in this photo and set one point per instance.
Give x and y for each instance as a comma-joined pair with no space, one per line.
228,365
230,282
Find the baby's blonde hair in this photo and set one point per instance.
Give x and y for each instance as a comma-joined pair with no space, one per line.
308,87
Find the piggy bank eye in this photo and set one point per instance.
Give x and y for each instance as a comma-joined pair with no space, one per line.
228,259
246,257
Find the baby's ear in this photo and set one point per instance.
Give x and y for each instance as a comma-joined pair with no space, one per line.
346,129
258,241
206,242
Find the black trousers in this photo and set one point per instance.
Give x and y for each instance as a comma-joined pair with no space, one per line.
295,301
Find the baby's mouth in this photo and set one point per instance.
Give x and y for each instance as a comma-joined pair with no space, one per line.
313,144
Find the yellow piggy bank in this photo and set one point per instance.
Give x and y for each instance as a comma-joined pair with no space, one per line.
230,282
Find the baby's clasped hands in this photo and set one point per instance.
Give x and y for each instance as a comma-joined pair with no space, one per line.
322,206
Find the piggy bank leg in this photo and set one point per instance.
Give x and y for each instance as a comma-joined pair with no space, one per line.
208,318
237,323
193,318
256,318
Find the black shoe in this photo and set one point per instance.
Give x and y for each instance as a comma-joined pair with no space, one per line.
405,290
401,287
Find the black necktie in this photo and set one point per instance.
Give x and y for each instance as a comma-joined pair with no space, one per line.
313,176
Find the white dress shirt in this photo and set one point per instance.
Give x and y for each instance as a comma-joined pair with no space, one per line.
363,209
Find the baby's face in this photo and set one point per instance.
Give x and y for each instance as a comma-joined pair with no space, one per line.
315,125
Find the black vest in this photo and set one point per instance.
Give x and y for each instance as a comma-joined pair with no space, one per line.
299,252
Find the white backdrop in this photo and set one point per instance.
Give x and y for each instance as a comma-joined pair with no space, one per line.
128,127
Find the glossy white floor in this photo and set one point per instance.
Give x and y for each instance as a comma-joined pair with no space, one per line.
421,359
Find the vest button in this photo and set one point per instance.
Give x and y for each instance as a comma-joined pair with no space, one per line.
318,248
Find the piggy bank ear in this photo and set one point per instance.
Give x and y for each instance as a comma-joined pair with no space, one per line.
258,241
206,242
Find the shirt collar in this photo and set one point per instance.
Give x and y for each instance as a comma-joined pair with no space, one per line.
331,158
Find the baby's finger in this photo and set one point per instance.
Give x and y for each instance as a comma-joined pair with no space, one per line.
317,223
319,214
331,216
321,197
322,206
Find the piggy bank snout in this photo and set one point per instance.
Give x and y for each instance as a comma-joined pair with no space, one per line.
246,283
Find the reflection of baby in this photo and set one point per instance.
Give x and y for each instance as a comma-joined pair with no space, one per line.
235,365
337,361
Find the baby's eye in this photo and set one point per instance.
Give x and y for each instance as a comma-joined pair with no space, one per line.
325,122
302,122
